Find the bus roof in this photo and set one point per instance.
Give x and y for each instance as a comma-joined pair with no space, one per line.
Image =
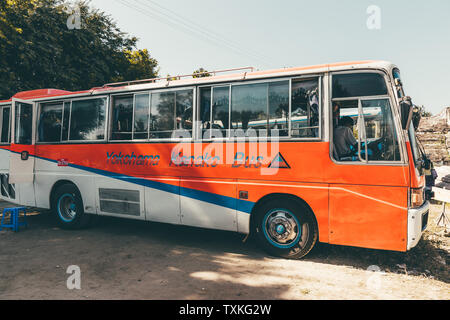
41,94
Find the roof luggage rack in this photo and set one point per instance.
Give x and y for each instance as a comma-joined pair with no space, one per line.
170,78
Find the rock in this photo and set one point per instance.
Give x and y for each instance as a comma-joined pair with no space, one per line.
434,134
440,260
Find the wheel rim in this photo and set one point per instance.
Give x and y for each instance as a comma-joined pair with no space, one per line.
67,208
281,228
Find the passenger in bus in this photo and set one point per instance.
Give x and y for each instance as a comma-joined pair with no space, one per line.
344,141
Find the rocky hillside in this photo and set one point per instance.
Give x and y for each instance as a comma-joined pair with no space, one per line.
434,134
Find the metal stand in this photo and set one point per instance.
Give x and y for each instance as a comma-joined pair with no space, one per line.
443,220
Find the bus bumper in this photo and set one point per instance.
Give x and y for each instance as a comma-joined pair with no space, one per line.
417,223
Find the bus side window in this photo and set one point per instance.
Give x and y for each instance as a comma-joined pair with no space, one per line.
305,112
50,122
363,97
249,107
24,123
279,108
5,124
214,111
183,110
171,111
205,111
262,107
162,115
141,116
122,117
87,119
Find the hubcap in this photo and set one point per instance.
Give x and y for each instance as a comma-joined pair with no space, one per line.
67,207
281,228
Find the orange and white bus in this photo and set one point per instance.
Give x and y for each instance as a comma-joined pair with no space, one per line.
246,151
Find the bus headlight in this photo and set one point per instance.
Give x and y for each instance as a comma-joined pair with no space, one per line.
416,197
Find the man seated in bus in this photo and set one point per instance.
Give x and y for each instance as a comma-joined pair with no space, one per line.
344,141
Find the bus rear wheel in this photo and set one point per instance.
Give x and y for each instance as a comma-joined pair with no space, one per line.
286,228
67,205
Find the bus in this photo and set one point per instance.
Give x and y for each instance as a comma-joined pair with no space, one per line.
248,151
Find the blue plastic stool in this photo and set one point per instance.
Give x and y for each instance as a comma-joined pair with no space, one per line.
14,223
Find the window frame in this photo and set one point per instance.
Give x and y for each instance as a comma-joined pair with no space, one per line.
290,79
2,107
63,101
150,92
394,111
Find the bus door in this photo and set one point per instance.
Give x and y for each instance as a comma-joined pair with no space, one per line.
21,167
7,191
369,207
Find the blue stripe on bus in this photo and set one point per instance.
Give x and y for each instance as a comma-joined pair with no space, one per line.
213,198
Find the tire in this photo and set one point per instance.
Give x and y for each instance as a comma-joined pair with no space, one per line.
68,209
286,228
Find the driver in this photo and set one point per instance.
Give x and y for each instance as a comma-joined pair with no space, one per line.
344,141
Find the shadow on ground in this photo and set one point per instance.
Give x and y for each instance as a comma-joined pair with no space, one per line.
127,259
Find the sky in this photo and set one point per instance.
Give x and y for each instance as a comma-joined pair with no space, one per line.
184,35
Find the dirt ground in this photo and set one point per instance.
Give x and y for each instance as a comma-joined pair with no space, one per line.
125,259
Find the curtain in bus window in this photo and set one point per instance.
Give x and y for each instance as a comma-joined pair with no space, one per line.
162,116
49,124
279,107
141,116
5,134
24,122
249,107
358,85
184,110
305,108
122,118
381,135
87,120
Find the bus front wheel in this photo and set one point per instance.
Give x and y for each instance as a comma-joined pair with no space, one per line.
286,228
68,208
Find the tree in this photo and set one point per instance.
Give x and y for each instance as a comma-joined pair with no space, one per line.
424,113
38,50
201,73
418,113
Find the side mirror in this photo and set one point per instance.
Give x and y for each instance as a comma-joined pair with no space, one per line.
406,112
426,164
416,117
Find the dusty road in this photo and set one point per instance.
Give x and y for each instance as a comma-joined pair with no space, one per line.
124,259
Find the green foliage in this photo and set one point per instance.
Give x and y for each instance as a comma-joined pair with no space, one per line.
37,49
424,113
201,73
